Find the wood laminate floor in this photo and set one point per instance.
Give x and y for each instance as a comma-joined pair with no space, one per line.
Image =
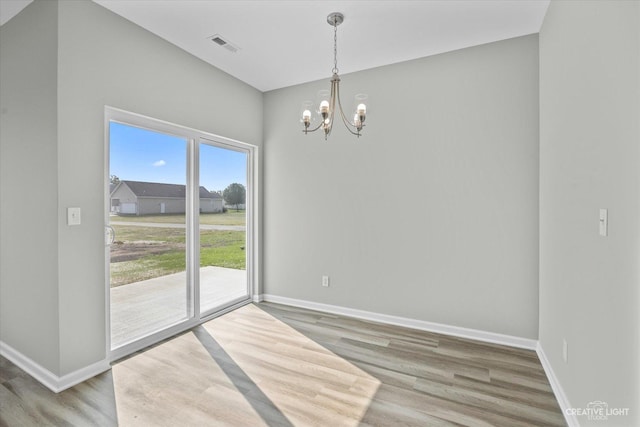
273,365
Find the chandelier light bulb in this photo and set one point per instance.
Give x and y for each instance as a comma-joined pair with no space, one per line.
362,109
306,116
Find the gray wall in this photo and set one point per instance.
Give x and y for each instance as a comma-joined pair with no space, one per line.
590,159
433,213
28,184
102,59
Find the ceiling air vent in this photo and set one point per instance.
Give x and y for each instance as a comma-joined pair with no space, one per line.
220,41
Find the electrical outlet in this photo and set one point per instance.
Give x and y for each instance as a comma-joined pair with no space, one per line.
565,351
325,281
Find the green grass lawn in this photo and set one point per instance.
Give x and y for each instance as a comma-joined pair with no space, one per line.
128,233
123,273
228,218
156,252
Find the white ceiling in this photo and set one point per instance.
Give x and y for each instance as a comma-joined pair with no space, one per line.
287,42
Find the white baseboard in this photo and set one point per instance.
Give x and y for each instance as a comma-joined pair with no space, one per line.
456,331
76,377
46,377
561,397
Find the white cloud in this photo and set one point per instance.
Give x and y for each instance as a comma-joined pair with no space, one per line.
159,163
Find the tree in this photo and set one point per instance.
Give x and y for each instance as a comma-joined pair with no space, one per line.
235,194
114,179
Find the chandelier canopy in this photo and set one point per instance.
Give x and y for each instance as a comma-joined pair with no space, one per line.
328,103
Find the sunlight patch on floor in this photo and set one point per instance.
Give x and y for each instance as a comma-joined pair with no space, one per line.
309,384
178,383
243,368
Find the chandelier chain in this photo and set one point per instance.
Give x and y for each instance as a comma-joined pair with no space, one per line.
335,47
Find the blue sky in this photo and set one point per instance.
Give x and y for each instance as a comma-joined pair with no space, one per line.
142,155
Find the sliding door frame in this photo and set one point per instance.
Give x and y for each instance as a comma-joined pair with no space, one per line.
194,137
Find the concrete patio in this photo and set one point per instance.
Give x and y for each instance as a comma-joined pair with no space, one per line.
141,308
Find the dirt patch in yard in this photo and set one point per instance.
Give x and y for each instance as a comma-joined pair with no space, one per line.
131,251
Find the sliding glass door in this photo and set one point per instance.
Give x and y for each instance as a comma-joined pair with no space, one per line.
147,212
223,245
179,226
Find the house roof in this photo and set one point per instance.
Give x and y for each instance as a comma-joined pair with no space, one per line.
157,189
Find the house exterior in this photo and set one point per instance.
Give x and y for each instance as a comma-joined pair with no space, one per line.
240,206
152,198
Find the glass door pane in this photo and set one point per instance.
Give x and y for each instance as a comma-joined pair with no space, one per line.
223,226
148,200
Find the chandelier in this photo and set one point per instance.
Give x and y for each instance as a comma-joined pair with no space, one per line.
329,101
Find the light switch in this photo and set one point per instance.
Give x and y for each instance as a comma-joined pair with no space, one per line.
604,222
73,216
